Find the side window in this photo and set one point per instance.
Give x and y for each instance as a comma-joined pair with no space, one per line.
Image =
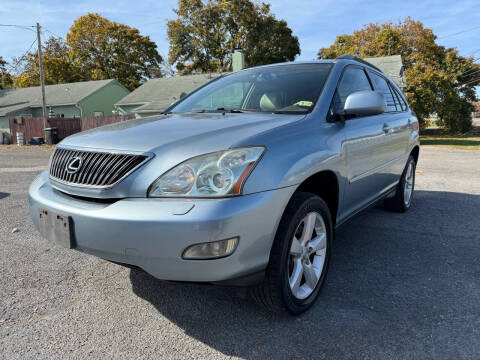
353,79
400,99
380,84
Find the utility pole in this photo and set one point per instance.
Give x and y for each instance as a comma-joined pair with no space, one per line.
42,80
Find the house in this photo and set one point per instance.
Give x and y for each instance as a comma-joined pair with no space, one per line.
392,66
89,98
157,94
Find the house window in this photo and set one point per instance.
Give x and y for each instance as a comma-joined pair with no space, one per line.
98,113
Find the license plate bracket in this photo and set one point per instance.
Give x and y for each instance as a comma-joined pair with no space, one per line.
57,228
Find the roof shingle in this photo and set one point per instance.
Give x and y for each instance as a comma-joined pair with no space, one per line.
158,94
60,94
392,66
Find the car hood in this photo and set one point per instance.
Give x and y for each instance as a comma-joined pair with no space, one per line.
203,132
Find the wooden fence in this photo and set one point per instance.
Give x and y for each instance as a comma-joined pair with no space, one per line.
33,127
90,122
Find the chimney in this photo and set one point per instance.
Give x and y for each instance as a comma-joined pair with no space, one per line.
238,60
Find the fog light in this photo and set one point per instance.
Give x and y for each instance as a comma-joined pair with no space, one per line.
211,250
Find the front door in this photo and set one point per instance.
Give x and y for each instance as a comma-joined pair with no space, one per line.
364,145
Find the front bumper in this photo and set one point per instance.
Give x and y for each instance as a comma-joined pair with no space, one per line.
152,233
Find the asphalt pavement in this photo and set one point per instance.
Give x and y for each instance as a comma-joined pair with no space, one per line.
400,286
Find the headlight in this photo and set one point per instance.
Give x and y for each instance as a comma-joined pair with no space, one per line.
212,175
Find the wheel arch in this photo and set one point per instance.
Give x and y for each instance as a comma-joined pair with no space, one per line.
324,184
415,153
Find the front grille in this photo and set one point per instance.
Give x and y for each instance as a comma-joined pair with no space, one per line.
92,169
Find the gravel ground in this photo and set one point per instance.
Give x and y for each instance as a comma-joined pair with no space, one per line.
400,286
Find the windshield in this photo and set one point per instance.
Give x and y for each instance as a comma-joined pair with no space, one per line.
279,89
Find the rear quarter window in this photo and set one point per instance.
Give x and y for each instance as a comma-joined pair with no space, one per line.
401,104
380,85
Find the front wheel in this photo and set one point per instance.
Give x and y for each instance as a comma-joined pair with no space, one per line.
402,200
299,256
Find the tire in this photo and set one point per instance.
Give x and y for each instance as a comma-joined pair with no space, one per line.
401,202
285,264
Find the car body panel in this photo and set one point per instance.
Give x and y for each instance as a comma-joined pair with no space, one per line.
150,234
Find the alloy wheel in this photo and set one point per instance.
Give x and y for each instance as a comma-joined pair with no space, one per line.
408,187
307,255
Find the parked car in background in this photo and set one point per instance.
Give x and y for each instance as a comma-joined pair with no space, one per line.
242,182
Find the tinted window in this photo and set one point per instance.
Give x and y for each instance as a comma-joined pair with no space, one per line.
282,88
399,99
353,79
380,84
395,98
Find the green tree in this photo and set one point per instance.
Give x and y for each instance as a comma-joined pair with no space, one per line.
439,81
103,49
6,80
204,35
57,65
95,49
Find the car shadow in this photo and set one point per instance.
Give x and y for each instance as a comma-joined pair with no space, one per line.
398,284
4,195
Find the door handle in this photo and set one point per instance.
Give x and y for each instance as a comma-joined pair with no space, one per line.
386,128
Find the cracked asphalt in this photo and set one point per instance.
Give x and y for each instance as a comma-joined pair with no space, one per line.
400,286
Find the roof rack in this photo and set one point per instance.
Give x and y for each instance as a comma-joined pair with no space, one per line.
355,58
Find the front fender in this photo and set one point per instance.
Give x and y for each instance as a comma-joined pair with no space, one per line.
297,153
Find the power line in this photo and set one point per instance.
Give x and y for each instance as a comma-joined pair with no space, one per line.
472,81
25,27
57,36
469,70
20,59
476,71
19,26
475,52
458,33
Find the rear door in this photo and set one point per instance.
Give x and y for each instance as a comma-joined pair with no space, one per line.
363,146
396,126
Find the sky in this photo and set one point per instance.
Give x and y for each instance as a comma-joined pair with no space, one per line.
315,22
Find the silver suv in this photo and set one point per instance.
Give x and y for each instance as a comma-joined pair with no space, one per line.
242,182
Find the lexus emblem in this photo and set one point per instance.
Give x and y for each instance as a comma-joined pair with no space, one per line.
74,165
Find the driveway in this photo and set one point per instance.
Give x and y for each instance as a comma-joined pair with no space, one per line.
399,286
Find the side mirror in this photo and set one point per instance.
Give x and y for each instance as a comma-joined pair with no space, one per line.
365,103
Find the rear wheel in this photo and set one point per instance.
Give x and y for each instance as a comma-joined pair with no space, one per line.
299,257
402,200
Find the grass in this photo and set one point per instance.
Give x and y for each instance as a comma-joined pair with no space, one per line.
452,141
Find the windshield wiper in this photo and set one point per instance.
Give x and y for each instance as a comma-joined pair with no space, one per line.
233,111
220,109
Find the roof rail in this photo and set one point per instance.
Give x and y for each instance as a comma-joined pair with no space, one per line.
355,58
